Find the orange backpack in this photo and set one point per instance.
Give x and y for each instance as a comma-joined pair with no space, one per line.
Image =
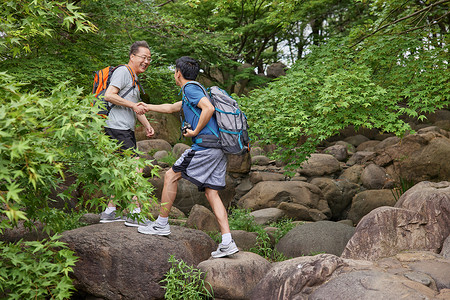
102,79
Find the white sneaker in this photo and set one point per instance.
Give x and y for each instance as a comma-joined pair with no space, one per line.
225,250
136,223
154,228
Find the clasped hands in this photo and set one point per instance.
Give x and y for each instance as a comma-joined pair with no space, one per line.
140,108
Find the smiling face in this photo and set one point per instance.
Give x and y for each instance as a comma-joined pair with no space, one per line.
140,60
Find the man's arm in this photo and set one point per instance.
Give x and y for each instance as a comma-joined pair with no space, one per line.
112,95
148,128
162,108
207,111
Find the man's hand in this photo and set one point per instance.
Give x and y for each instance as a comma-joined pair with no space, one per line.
189,133
149,131
140,108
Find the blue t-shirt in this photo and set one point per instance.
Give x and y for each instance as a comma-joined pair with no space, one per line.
193,94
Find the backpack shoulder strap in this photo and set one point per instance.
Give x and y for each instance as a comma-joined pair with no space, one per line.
184,99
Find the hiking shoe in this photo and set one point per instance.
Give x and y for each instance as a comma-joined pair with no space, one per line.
136,223
154,228
107,218
225,250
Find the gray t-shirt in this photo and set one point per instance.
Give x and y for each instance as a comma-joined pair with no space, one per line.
121,117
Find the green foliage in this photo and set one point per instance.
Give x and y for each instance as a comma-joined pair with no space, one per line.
21,22
240,219
36,270
45,138
401,188
185,282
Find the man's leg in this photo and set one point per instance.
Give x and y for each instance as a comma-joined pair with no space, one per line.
218,209
169,193
227,246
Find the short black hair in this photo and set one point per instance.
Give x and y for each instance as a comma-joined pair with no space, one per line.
136,45
188,67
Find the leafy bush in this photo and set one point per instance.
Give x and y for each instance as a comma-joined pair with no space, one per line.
36,270
41,140
185,282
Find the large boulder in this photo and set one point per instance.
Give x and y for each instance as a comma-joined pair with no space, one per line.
419,221
418,157
371,285
234,277
117,262
155,145
299,200
289,279
374,177
310,238
366,201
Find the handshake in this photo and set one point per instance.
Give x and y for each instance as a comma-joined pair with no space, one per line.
140,108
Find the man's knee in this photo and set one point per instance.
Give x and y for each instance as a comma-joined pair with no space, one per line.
171,176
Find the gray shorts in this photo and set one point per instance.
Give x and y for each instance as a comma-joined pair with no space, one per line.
204,168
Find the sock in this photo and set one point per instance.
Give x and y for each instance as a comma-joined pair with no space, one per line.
136,211
226,239
109,210
162,221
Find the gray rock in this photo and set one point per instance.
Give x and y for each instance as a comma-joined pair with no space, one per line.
371,285
244,240
202,219
338,151
114,259
255,151
243,188
366,201
387,143
367,145
260,160
234,277
419,277
276,70
295,278
445,252
356,140
316,237
267,215
359,157
90,218
239,163
339,194
299,200
179,149
147,146
319,165
256,177
350,148
353,174
374,177
161,154
419,221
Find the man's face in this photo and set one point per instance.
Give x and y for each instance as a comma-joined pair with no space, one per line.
177,75
140,60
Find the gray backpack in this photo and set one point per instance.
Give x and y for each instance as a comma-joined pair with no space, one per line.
233,128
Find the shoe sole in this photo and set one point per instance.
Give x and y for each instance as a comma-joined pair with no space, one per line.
110,221
226,254
132,224
154,233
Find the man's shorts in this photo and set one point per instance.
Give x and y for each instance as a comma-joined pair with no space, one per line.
126,137
204,168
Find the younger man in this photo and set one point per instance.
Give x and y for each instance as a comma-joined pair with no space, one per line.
205,167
